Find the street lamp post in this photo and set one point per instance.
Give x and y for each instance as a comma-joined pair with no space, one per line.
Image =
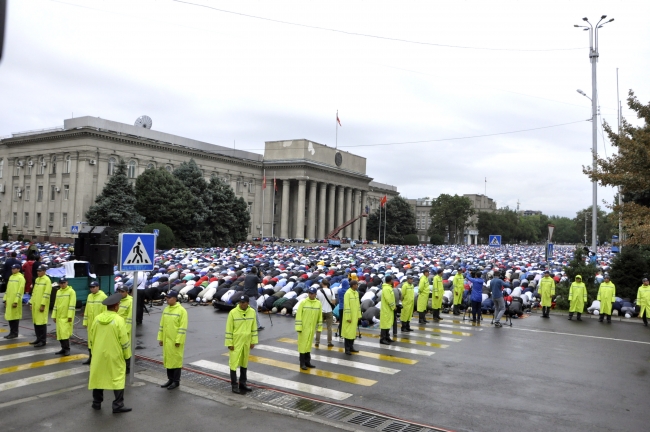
593,57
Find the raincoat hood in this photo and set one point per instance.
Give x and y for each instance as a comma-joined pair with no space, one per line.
106,317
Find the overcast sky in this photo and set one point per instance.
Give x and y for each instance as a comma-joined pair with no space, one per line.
221,77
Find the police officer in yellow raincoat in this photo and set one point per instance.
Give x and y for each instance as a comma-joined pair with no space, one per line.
459,289
547,291
436,295
643,300
309,319
408,299
94,307
607,296
423,296
387,313
171,336
241,337
577,297
111,353
40,306
63,315
14,300
126,306
351,316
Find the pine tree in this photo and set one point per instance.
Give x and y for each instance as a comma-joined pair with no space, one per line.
162,197
229,218
115,206
198,206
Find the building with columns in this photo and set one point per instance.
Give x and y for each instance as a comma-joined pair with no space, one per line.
50,177
480,203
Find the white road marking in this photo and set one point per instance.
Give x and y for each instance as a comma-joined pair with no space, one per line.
394,348
43,395
428,336
336,361
27,354
578,335
42,378
279,382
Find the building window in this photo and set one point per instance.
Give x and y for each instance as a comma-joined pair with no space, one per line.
169,168
239,182
27,192
51,218
150,165
66,192
52,192
30,164
251,186
26,222
66,164
250,207
14,219
2,166
38,220
17,168
275,209
111,165
131,169
16,193
39,194
64,220
53,166
41,165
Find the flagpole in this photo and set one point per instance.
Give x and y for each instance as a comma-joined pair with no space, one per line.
263,193
273,212
336,145
385,219
379,239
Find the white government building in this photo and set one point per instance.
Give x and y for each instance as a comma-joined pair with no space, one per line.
50,177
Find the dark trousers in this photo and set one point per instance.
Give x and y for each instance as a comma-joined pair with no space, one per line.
41,332
645,317
139,307
98,398
13,327
174,375
65,344
476,309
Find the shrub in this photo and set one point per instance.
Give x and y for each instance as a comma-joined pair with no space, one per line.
628,269
165,238
411,240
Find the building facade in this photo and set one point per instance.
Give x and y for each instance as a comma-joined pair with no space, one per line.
480,203
49,178
421,208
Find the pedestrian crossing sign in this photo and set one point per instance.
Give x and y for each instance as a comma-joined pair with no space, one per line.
495,240
136,251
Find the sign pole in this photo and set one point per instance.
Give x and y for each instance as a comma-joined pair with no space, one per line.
133,323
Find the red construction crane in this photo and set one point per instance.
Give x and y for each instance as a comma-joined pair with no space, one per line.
334,234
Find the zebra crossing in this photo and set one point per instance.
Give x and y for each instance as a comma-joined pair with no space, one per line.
337,376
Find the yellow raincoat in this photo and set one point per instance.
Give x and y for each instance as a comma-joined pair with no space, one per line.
352,312
437,292
172,331
94,307
14,294
607,296
41,297
459,288
408,298
643,299
423,293
241,333
126,312
547,290
577,296
308,318
386,315
66,299
110,346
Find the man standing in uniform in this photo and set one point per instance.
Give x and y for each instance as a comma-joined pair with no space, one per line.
94,307
387,310
241,337
408,296
171,336
547,291
309,319
107,339
643,300
577,297
436,295
351,315
607,296
459,289
14,300
423,296
126,307
40,304
63,315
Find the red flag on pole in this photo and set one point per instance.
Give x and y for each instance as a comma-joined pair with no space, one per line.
275,185
337,119
383,200
264,182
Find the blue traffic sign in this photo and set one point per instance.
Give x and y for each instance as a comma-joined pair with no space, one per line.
136,251
74,229
549,251
156,232
494,240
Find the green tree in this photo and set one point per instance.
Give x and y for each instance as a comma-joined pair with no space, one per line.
450,214
565,230
115,206
605,228
503,222
628,269
399,222
165,238
411,240
229,216
162,197
5,233
198,205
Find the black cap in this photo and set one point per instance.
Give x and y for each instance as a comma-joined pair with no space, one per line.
16,266
112,299
243,298
94,284
63,279
41,268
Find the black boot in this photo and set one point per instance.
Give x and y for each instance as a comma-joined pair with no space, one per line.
242,380
67,348
308,361
438,315
456,310
302,362
579,319
90,356
408,327
382,338
601,318
403,329
346,343
609,319
388,339
570,316
423,318
233,382
62,350
352,348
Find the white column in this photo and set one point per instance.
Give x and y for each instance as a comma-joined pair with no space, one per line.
355,213
348,211
339,206
322,205
284,215
300,210
331,207
311,212
364,221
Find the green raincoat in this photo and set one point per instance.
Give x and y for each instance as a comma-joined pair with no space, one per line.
607,296
110,346
459,288
437,292
66,299
386,315
172,331
408,298
351,312
94,307
423,293
241,333
309,318
126,312
41,297
643,299
14,294
577,296
547,290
